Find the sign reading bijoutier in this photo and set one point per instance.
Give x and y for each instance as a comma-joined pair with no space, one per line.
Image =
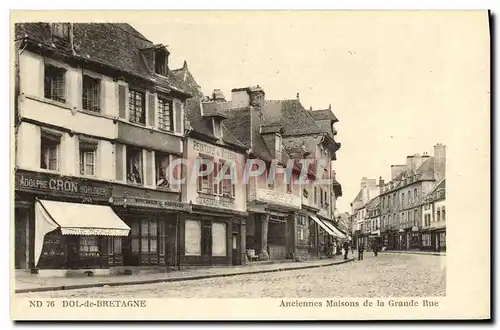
66,185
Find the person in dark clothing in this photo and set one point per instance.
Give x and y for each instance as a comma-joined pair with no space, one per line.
375,248
361,249
346,249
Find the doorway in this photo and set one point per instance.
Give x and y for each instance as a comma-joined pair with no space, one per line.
236,251
21,238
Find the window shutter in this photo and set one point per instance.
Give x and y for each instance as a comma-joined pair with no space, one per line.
214,178
149,168
122,96
200,179
178,116
119,150
151,109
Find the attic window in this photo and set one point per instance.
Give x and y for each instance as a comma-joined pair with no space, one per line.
278,146
217,128
60,30
161,62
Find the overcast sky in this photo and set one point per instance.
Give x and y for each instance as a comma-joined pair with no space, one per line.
395,80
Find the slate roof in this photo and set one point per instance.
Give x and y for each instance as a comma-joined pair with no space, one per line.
291,114
372,203
325,114
115,45
193,110
271,128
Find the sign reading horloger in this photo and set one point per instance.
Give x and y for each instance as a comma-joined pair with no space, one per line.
62,185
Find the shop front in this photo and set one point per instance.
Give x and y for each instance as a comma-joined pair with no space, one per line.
63,223
212,234
153,217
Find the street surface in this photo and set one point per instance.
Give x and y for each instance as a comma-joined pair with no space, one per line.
387,275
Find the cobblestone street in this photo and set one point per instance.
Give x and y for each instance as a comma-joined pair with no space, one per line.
387,275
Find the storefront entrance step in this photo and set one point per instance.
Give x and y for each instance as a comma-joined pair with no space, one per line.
30,284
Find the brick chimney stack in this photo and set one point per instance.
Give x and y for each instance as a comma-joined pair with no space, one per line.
439,161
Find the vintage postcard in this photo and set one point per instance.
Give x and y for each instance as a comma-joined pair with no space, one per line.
257,165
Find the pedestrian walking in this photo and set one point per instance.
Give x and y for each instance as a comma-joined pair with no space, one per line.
346,249
361,249
375,248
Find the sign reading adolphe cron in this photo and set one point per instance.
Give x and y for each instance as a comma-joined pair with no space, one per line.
52,183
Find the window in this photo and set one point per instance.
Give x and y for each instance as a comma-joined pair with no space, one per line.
87,158
438,215
134,165
315,196
403,199
278,146
426,240
415,218
321,196
442,240
217,128
443,213
219,241
115,245
205,181
270,181
89,246
326,197
161,63
60,30
409,197
288,184
91,97
226,187
192,238
165,115
162,162
149,236
49,153
415,194
54,83
136,107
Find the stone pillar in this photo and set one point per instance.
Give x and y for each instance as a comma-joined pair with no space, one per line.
263,255
243,245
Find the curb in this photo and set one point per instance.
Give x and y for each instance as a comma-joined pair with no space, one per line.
178,279
420,253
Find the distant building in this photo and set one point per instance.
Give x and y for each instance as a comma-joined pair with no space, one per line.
401,198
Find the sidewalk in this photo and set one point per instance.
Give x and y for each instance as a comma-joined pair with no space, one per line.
32,283
433,253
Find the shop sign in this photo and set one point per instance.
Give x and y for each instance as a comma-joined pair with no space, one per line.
274,197
151,203
215,151
215,203
65,185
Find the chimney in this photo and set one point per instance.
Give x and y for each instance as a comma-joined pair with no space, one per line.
329,107
380,184
218,96
257,97
418,159
298,96
439,161
185,65
410,164
396,170
310,108
240,97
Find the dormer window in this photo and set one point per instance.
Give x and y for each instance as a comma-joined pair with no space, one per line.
217,128
278,146
160,62
60,30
